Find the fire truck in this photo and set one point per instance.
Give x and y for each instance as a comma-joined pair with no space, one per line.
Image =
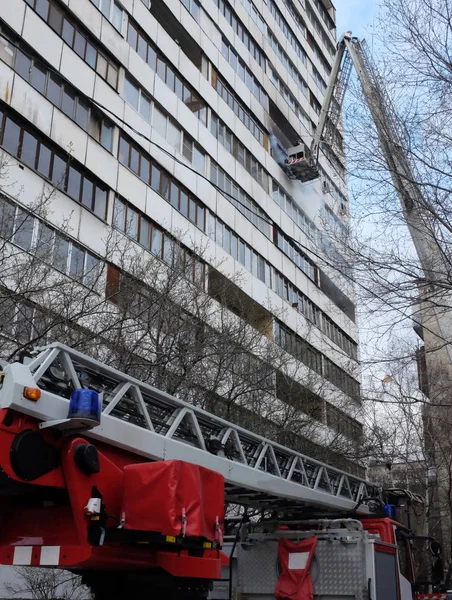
110,478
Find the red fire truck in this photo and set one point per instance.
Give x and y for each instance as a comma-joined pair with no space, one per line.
112,479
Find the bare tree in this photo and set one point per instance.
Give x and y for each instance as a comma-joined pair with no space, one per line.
46,584
166,317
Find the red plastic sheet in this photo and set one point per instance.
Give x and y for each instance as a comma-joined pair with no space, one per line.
295,581
172,497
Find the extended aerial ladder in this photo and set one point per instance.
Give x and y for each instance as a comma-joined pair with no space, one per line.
394,143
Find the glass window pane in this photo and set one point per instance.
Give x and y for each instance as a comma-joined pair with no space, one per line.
82,114
80,44
106,135
195,11
124,151
44,247
179,88
199,160
119,214
161,68
117,17
77,262
159,121
145,107
87,193
112,76
156,244
155,178
55,19
68,32
44,159
100,202
92,270
168,248
164,186
192,210
11,136
134,160
54,89
142,47
74,184
183,203
173,136
23,65
91,55
6,219
38,78
152,57
187,148
29,149
23,229
131,93
102,65
105,8
170,77
174,195
6,51
132,36
200,219
68,103
145,232
59,171
42,8
132,223
145,167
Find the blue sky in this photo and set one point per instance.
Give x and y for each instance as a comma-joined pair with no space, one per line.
357,15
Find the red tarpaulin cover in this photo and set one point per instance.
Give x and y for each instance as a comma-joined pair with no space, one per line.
295,581
157,495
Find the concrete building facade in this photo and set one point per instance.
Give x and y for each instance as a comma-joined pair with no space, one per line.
151,118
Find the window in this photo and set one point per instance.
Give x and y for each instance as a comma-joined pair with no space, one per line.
110,10
161,182
199,159
239,109
11,136
63,173
244,73
242,33
193,8
23,229
64,97
282,23
239,199
77,262
78,38
131,93
140,228
140,42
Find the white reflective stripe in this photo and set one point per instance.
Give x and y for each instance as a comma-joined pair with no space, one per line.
22,555
50,555
298,560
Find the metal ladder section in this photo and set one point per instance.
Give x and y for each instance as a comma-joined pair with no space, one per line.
146,421
391,122
338,99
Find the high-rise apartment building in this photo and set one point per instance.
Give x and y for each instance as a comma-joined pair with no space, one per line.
166,123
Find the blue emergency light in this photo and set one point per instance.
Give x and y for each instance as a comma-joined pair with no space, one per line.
390,511
85,404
